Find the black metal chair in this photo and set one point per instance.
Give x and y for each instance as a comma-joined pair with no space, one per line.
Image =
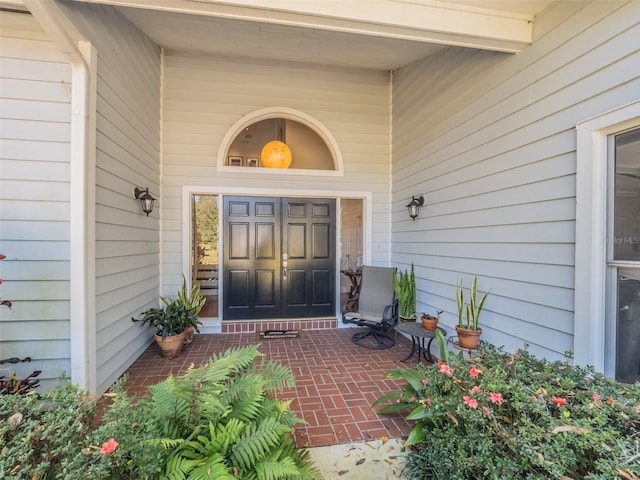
375,306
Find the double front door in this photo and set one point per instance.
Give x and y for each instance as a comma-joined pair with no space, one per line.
279,257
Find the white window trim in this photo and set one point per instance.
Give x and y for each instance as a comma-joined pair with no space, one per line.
591,231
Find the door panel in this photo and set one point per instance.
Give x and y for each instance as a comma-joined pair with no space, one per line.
251,258
279,257
309,245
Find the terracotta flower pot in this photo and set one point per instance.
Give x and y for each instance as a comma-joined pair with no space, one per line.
468,338
189,333
407,319
429,322
171,346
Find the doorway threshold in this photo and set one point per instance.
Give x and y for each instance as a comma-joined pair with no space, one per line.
251,326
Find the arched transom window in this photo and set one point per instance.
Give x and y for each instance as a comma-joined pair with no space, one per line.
278,140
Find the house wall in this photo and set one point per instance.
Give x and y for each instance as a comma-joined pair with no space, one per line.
495,157
127,155
204,97
35,82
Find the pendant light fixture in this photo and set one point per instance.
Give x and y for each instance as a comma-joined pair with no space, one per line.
276,154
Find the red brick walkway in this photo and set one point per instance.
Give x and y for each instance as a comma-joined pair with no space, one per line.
336,381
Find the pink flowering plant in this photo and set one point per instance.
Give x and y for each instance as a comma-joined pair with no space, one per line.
516,416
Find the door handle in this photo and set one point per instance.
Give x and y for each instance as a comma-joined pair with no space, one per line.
284,273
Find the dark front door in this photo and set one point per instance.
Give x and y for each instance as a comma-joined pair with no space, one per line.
279,257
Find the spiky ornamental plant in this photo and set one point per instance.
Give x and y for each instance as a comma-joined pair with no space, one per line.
469,313
404,284
221,421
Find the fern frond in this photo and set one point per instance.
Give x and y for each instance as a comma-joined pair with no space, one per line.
226,435
171,443
173,470
213,469
280,409
242,357
276,375
277,469
247,409
247,384
255,442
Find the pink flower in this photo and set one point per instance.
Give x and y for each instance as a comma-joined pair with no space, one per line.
427,402
496,398
446,369
475,389
109,447
412,399
474,372
470,402
425,382
596,397
559,401
486,411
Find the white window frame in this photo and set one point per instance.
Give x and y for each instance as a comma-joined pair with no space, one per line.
591,231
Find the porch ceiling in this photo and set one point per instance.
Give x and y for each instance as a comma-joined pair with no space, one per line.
373,34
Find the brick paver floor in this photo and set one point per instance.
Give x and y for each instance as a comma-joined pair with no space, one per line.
336,381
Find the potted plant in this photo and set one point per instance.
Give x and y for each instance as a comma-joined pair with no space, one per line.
404,284
172,321
429,322
188,305
468,315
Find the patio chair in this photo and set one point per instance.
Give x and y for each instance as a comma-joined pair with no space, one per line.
375,306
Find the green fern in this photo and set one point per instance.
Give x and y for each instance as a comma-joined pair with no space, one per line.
255,442
276,375
228,424
277,469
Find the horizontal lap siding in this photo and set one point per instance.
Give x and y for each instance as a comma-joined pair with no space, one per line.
127,155
203,97
495,159
35,81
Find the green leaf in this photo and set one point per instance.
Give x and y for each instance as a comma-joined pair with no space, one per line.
418,413
387,397
416,436
395,407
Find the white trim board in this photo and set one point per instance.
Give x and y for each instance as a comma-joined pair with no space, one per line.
591,231
215,325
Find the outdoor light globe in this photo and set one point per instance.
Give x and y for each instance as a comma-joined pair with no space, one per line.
276,154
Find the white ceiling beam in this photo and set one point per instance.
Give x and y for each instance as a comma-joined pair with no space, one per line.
424,21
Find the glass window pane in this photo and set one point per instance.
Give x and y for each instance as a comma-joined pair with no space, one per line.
628,326
627,197
204,251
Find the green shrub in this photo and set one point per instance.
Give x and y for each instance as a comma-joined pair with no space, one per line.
217,421
38,435
515,416
220,421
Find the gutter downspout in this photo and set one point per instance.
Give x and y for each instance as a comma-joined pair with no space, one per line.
82,57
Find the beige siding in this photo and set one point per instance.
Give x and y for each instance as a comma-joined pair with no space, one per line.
127,144
34,198
204,97
496,162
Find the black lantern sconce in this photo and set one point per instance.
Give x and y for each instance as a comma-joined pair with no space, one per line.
414,206
146,200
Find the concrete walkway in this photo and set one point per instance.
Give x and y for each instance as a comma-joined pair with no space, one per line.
372,460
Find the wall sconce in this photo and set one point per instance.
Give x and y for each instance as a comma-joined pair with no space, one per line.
414,206
146,200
